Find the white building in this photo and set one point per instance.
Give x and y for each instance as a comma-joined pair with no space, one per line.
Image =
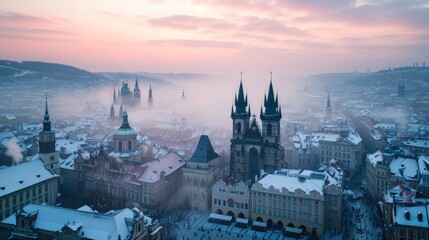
25,183
306,200
230,197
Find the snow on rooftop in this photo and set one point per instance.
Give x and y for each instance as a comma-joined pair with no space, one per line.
375,158
167,164
23,175
420,143
293,183
89,224
69,146
424,165
404,167
413,211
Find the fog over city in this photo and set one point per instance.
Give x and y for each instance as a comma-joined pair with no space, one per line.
202,119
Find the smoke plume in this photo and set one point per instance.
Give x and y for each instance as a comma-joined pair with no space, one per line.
13,151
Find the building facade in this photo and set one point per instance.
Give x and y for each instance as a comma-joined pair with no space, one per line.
102,179
253,148
38,185
230,197
201,171
298,199
410,222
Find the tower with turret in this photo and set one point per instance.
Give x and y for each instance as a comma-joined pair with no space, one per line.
254,148
47,152
270,116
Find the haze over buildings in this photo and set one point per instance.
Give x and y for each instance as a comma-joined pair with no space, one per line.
201,119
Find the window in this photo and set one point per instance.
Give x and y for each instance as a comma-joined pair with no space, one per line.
238,127
129,146
119,146
269,129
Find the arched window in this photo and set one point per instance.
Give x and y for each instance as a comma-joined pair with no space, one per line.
129,146
238,127
269,129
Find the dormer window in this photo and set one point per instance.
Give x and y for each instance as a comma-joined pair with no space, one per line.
20,181
407,215
420,216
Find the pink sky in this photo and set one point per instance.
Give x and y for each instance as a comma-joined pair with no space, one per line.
290,38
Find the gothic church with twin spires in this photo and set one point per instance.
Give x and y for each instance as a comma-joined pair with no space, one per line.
254,148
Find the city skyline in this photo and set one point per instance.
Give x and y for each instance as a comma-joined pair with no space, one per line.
189,36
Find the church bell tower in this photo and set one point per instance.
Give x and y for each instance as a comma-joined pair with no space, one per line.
47,152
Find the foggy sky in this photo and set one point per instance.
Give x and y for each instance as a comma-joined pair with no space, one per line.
290,38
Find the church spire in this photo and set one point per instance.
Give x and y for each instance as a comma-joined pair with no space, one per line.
125,124
121,111
271,102
114,95
328,104
112,112
136,86
240,101
150,98
46,118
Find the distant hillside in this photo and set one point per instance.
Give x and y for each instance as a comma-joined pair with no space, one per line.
155,78
407,75
380,78
48,73
130,77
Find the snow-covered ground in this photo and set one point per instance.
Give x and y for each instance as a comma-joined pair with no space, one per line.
359,221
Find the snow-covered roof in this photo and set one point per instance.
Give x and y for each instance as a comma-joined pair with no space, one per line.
419,143
413,211
23,175
404,167
167,164
385,126
375,158
89,224
293,183
69,146
424,165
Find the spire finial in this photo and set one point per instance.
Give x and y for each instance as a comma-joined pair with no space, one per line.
46,103
241,75
271,76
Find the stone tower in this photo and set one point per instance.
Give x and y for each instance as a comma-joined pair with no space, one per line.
47,152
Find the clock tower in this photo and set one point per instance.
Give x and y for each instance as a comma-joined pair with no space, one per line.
47,151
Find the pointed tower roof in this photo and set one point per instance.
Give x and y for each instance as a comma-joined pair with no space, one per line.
114,95
204,152
241,102
46,118
125,128
136,86
271,103
112,111
328,104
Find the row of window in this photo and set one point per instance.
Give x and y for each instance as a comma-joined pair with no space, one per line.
230,203
293,215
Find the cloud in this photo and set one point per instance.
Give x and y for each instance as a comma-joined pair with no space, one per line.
188,22
19,18
194,43
269,26
13,151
